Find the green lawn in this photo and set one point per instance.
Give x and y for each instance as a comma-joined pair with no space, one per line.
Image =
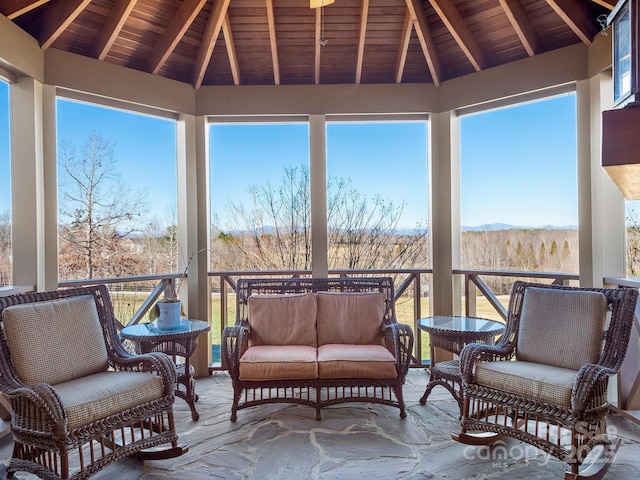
125,305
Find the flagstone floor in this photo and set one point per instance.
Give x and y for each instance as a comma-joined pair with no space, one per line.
352,441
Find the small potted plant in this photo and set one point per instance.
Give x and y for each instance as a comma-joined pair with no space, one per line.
167,311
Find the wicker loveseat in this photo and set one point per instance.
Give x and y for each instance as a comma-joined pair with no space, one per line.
79,400
316,342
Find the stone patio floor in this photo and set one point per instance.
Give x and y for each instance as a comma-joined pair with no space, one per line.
352,441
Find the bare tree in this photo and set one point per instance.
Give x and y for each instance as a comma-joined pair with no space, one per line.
6,274
97,210
272,228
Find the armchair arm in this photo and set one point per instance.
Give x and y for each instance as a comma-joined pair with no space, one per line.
474,353
37,408
591,382
235,341
399,340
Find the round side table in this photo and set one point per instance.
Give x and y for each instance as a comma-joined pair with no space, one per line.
180,342
451,334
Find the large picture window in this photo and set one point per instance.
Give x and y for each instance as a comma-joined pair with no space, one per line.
6,276
377,195
519,201
260,196
117,192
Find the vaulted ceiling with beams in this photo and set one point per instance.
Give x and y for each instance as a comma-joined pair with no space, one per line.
267,42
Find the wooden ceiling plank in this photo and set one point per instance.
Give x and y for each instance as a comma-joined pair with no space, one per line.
364,15
608,4
112,27
318,46
426,42
208,42
575,16
14,8
521,24
57,18
179,24
407,27
458,29
274,45
231,50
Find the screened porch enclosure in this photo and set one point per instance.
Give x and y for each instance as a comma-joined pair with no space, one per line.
38,74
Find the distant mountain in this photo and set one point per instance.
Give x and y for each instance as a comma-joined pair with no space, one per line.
492,227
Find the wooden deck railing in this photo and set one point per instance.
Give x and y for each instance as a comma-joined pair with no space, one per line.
410,306
474,284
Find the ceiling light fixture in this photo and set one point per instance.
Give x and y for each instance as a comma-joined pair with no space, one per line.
320,4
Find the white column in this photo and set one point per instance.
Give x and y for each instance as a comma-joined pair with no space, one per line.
27,180
318,173
601,206
444,207
49,265
193,226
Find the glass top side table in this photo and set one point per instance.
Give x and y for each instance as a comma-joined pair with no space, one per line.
180,342
452,333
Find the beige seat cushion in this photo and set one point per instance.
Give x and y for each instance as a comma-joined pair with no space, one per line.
561,328
283,319
97,396
55,341
355,361
532,380
283,362
351,318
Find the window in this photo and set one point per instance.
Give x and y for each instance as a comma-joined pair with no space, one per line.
519,202
6,275
117,192
377,194
260,196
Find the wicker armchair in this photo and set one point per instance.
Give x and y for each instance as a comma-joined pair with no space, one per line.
79,400
545,382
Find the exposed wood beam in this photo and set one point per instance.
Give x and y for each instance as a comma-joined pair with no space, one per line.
609,4
318,46
458,29
208,42
14,8
426,42
179,24
404,46
364,15
521,24
575,16
231,50
57,18
274,45
112,26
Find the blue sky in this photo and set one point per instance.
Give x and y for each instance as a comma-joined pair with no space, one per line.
518,164
385,159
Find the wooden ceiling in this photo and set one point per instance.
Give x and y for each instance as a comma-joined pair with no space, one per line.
267,42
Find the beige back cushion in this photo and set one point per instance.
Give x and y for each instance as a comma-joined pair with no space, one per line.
283,319
561,327
55,341
354,318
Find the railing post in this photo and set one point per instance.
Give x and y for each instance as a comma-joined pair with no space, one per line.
417,308
470,294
